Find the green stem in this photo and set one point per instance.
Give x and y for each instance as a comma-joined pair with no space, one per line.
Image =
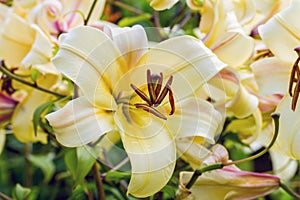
199,172
289,191
4,197
5,71
90,12
28,175
275,117
99,184
126,7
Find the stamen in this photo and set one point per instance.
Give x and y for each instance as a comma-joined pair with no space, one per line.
296,95
141,94
292,77
164,91
158,85
151,87
151,110
172,103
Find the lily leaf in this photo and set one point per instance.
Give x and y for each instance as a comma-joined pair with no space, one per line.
45,163
20,192
128,21
79,162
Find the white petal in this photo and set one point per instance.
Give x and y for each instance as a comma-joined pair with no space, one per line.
271,75
162,4
98,59
41,50
188,60
2,140
150,147
195,117
132,42
289,128
79,123
282,33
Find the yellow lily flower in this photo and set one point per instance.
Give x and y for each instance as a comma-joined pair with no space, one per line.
226,183
124,85
224,34
162,4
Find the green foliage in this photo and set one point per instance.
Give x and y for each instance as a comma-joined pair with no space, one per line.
79,162
20,192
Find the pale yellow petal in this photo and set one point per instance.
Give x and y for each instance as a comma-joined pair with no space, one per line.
162,4
283,166
16,39
282,33
22,124
99,59
271,75
191,151
79,123
195,117
132,42
289,128
151,150
41,50
187,59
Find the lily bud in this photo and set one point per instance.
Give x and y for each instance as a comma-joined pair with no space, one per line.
228,183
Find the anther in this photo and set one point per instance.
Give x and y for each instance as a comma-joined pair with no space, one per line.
141,94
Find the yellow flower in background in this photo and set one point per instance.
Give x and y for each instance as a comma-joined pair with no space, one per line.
147,95
227,183
222,32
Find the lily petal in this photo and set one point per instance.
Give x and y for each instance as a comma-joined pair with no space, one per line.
187,60
162,4
289,129
132,42
151,150
271,75
195,117
282,33
79,122
99,59
16,39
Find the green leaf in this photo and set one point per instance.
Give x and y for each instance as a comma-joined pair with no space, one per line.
79,161
20,192
116,175
128,21
45,163
38,112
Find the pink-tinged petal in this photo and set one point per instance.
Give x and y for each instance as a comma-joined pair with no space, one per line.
195,117
282,33
151,150
271,75
289,128
162,4
16,39
132,42
79,123
230,183
185,58
99,59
